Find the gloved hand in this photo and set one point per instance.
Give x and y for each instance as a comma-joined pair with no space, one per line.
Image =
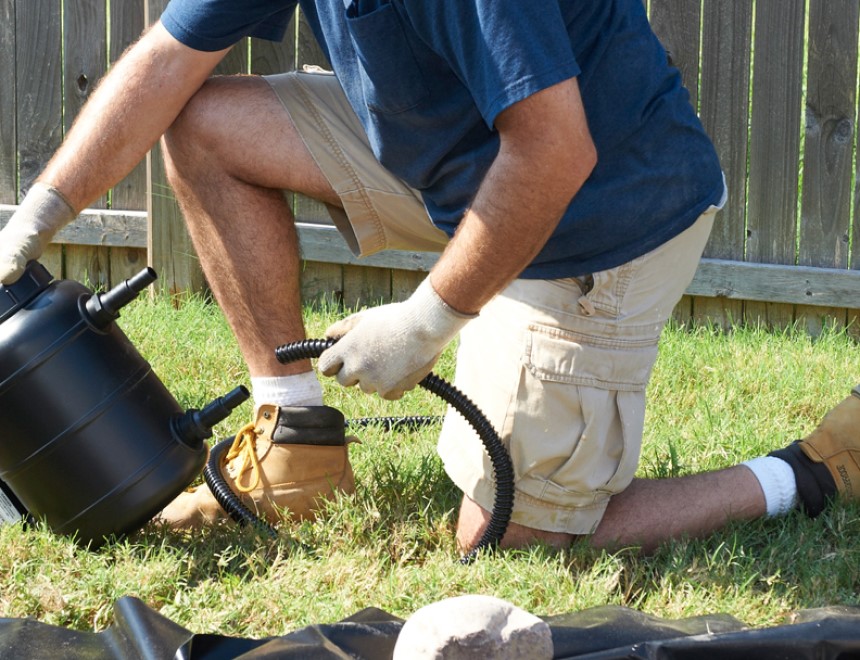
42,213
389,349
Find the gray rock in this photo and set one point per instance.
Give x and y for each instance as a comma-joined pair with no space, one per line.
467,627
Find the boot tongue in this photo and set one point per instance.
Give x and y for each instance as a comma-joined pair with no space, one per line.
310,425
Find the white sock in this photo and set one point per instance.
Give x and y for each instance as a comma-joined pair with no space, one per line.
777,482
298,390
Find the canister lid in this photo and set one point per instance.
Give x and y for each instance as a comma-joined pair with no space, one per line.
13,297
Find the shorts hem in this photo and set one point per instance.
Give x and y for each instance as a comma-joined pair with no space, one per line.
538,514
330,154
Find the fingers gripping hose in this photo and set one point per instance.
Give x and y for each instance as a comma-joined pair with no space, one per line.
499,458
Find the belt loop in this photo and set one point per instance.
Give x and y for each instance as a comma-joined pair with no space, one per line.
586,306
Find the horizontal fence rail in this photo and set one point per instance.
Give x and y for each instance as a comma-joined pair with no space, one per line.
715,278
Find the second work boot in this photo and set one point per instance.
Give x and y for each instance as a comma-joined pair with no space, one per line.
826,463
287,462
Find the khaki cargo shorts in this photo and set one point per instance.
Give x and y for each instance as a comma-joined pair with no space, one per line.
379,210
559,367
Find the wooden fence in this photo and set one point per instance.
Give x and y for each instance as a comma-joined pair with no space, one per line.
775,82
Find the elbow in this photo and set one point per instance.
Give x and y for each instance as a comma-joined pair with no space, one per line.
585,154
588,161
580,163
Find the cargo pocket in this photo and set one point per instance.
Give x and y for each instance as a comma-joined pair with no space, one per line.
390,76
589,392
567,356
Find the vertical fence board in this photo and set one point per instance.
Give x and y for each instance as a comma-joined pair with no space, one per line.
676,24
126,24
308,51
854,258
84,57
169,245
39,98
236,61
84,63
726,40
8,101
404,283
365,286
270,57
352,285
829,147
322,282
171,252
775,143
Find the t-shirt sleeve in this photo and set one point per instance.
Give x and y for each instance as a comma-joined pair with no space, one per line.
212,25
502,50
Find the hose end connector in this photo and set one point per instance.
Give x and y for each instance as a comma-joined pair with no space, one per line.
195,426
104,308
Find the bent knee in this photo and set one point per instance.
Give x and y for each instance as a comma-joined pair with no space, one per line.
473,520
207,125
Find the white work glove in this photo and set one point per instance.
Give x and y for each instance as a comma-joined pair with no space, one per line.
42,214
390,349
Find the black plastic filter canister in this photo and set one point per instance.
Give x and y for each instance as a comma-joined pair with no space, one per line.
91,441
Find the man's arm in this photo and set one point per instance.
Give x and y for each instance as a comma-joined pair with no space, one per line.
131,108
546,154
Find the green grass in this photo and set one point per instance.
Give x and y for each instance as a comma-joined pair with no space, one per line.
714,399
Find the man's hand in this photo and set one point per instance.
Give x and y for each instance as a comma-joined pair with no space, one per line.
389,349
42,214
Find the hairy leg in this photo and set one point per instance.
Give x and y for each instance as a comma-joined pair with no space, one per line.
229,156
647,513
651,511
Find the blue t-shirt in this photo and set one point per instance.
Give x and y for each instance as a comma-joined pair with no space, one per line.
427,80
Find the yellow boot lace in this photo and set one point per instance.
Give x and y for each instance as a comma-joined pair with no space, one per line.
244,449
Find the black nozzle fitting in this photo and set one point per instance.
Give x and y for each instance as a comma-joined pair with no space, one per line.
195,426
104,308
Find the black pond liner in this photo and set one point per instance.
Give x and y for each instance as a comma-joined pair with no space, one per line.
601,633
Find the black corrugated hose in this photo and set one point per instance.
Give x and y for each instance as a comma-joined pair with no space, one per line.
503,469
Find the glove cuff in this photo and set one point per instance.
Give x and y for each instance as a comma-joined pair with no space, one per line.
44,211
437,316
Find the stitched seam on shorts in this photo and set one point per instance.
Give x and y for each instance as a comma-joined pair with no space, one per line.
588,381
582,338
345,164
587,378
622,283
522,496
578,519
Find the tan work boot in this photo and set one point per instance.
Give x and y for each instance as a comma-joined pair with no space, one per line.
287,462
827,461
836,443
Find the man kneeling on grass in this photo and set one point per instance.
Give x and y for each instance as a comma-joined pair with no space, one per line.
550,154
